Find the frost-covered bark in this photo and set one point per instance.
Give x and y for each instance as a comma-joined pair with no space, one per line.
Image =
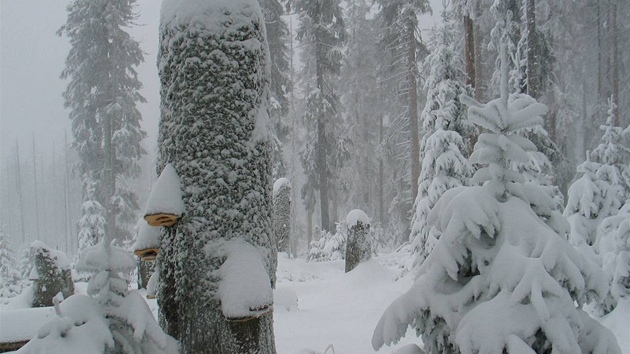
358,247
51,274
282,214
502,277
213,65
102,93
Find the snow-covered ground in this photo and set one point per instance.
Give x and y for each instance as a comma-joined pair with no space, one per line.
334,309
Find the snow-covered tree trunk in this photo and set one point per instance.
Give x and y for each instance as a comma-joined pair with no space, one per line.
358,248
214,71
51,275
282,214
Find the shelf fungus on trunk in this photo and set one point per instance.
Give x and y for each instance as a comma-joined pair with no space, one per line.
147,243
245,288
165,205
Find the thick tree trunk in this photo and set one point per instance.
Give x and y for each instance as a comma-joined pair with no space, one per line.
322,165
224,164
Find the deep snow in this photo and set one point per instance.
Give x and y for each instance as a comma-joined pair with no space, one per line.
333,307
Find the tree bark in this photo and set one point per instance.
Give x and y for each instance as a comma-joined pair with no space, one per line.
532,72
413,112
615,64
469,46
381,181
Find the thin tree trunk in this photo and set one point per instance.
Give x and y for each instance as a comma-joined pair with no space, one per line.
469,45
533,79
110,182
381,182
66,191
35,190
413,114
615,64
19,190
322,167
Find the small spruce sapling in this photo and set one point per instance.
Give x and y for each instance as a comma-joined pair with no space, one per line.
502,277
358,247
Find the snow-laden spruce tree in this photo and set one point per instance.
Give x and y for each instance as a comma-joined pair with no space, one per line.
613,245
358,246
10,279
329,246
214,69
446,145
92,222
111,319
612,154
50,274
587,206
102,93
500,279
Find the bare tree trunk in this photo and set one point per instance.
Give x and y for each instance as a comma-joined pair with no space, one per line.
322,166
66,191
18,186
615,64
110,179
413,113
381,182
533,79
35,190
469,37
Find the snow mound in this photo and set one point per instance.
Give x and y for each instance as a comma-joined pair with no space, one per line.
166,195
147,236
356,215
245,287
279,183
59,257
285,298
22,324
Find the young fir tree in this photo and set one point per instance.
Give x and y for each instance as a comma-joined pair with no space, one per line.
322,32
446,143
10,279
612,154
586,208
92,221
214,70
111,320
613,245
358,247
102,94
50,274
500,279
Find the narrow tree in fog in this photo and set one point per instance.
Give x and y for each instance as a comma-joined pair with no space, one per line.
102,94
322,32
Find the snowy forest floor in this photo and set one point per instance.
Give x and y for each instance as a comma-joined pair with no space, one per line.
318,305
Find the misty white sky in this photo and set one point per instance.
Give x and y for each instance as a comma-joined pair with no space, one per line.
32,57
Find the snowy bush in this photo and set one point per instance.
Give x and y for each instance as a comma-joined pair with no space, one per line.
329,247
112,320
10,279
358,247
502,277
613,246
51,274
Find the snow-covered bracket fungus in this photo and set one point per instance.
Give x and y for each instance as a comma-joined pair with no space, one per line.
147,243
245,288
165,205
